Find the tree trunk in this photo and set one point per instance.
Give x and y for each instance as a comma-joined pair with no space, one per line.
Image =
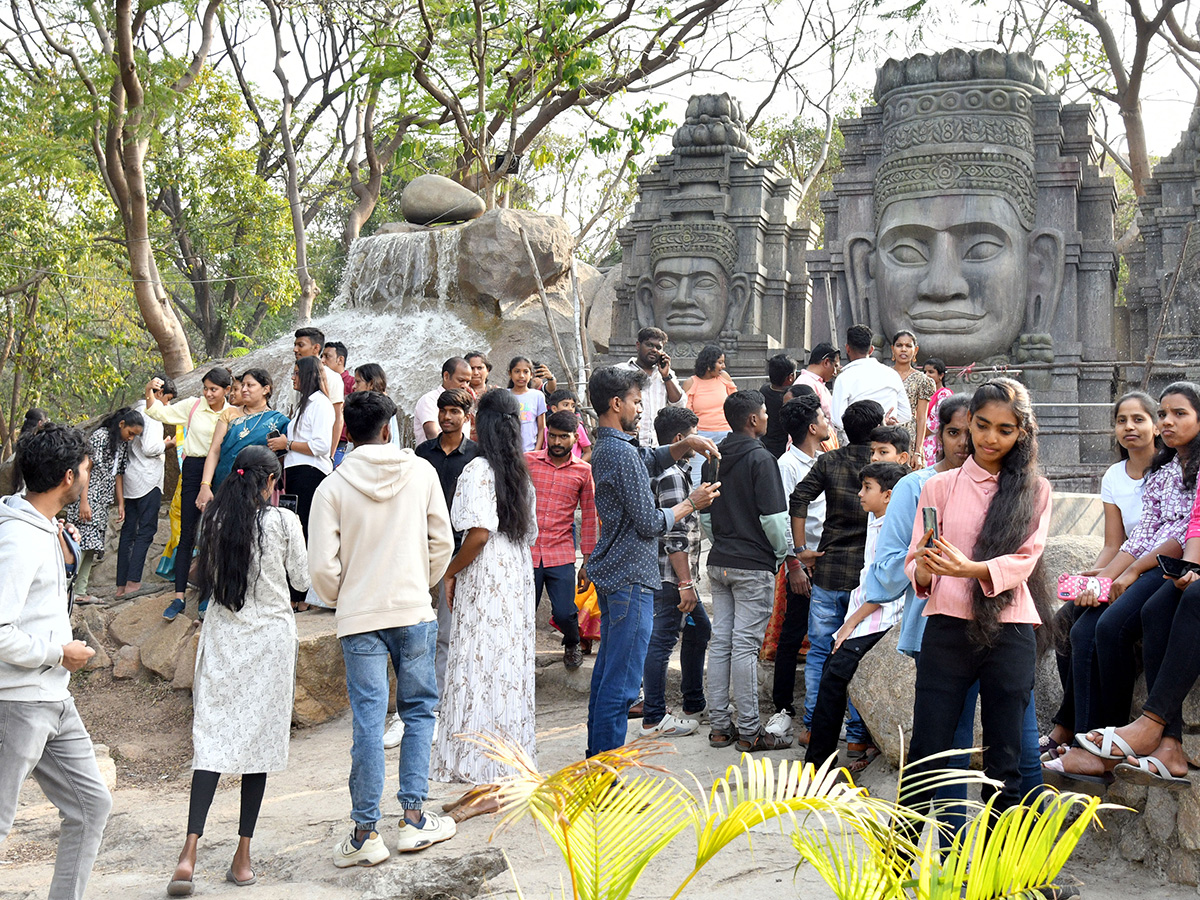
1135,139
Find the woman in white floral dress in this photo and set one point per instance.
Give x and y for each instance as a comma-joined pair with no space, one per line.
246,661
489,686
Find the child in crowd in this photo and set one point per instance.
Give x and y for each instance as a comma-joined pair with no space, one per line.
532,403
866,622
564,400
890,443
677,606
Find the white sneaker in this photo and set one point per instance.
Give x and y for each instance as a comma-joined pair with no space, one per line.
372,852
394,734
780,725
671,726
437,829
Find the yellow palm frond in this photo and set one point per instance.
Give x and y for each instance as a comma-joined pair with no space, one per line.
852,871
1011,853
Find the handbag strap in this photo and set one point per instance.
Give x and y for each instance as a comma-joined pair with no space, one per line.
188,427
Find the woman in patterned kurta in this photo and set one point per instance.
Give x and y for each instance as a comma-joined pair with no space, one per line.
489,684
246,661
919,387
108,448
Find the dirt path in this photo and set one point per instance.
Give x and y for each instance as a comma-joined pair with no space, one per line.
306,812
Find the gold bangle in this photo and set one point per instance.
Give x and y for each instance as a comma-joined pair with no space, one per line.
206,484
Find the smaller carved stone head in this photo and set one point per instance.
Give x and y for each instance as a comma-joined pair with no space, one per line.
692,294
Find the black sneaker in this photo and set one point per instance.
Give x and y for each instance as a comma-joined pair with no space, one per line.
572,657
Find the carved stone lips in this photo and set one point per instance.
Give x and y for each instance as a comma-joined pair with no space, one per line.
946,321
685,318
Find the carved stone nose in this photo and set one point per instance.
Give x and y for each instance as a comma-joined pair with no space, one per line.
943,280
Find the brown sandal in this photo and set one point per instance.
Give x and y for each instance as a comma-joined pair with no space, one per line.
721,738
478,805
480,790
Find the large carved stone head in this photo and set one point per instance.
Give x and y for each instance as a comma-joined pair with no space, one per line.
692,293
955,257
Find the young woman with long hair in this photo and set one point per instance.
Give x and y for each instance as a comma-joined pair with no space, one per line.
1168,494
307,441
936,370
108,447
489,586
993,514
246,660
240,427
371,377
706,391
199,416
1136,434
919,389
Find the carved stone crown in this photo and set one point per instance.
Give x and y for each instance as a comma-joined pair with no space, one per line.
714,240
714,125
959,122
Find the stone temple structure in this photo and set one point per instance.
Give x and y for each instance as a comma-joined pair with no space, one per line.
712,252
1167,214
971,212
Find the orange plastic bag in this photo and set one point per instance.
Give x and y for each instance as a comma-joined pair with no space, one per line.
589,614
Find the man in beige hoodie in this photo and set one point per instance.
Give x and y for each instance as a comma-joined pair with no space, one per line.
378,539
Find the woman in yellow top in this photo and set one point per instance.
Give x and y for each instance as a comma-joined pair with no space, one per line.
200,416
706,392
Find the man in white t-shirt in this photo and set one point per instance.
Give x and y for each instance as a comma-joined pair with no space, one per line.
866,378
456,373
661,387
310,342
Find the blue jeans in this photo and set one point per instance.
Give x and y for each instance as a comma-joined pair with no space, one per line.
411,650
826,613
626,620
560,585
668,623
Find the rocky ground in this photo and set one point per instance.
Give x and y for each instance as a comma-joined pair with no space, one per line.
305,813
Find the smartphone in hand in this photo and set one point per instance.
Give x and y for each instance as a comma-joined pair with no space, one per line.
930,523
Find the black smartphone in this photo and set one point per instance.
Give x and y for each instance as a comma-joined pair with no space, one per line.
273,433
1176,568
929,520
714,469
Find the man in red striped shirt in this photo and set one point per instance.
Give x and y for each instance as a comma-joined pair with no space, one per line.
562,484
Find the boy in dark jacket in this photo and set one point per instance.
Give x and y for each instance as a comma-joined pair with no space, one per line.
748,527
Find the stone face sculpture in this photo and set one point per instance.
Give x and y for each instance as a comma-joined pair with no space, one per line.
691,293
970,211
956,256
711,253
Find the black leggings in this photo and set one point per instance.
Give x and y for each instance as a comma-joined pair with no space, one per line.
204,788
190,477
1171,649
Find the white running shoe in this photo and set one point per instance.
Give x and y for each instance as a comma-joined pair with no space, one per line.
671,726
436,829
780,725
372,852
395,733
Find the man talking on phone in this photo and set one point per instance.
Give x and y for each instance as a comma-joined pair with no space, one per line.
42,732
660,387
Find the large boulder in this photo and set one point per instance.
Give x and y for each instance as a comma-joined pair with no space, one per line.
600,307
493,265
435,199
320,671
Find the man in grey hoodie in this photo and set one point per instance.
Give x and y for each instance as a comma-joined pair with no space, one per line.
40,729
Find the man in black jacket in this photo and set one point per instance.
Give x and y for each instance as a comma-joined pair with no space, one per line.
748,528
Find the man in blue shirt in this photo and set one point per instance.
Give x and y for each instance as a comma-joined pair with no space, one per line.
624,565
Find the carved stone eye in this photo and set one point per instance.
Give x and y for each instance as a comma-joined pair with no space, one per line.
908,255
982,249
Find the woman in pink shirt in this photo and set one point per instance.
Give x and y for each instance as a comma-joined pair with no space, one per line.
1151,746
993,514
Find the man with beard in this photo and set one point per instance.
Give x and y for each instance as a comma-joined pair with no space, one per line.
624,565
660,386
42,732
562,483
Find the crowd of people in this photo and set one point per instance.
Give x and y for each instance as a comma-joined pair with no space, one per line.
831,515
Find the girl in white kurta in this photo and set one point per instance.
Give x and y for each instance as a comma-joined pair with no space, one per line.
246,661
489,686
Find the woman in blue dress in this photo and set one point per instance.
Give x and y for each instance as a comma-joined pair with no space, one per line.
239,428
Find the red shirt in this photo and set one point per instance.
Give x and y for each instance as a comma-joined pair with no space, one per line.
559,490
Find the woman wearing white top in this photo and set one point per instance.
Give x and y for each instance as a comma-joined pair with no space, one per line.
1136,431
371,377
308,440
